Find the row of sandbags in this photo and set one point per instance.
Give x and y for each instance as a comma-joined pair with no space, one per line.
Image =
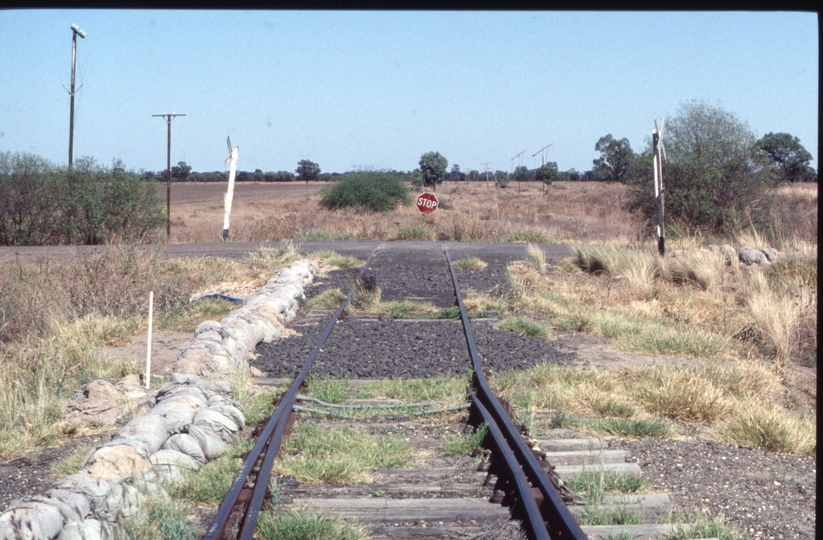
194,419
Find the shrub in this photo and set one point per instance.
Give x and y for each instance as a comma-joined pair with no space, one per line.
714,179
372,191
42,204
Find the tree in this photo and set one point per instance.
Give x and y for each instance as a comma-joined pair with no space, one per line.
258,175
433,168
713,177
787,156
547,173
416,179
521,174
307,170
180,171
455,175
615,159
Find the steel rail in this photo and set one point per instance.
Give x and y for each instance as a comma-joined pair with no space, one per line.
268,441
535,528
559,521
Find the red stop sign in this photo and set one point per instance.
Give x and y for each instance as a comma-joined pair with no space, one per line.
427,203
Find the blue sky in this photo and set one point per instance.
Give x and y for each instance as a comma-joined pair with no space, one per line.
378,89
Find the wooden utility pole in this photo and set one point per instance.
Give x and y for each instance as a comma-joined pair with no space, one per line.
542,162
169,118
518,166
75,31
659,190
486,166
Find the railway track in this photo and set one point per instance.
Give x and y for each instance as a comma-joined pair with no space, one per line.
442,497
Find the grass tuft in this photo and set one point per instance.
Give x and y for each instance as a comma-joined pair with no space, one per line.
525,326
773,428
623,427
339,457
472,263
461,445
297,526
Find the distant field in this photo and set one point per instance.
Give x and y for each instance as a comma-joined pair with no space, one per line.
185,193
569,211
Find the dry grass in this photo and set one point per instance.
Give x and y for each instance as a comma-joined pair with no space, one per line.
740,401
57,315
569,212
468,212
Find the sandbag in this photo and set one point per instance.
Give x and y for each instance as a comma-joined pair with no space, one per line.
211,443
186,444
95,490
180,408
35,520
149,429
76,501
217,421
117,462
173,458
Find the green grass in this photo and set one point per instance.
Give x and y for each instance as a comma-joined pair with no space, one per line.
329,390
699,526
416,390
331,298
297,526
525,326
69,464
258,407
472,263
623,427
618,515
461,445
339,456
210,484
159,519
611,483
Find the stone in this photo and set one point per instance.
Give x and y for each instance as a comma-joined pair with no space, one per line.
749,256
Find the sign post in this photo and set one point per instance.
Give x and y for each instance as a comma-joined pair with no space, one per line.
427,203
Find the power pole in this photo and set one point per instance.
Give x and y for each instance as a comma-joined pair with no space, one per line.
542,162
169,118
75,31
486,165
518,166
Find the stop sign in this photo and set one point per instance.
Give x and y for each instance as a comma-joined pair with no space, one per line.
427,203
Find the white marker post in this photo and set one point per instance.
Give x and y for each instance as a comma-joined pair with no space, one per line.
658,153
148,346
233,152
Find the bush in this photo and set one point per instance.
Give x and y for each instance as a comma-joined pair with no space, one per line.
372,191
713,177
43,204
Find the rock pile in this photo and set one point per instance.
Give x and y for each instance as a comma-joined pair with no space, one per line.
192,419
748,256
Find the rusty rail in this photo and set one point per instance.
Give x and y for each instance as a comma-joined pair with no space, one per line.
559,523
529,492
